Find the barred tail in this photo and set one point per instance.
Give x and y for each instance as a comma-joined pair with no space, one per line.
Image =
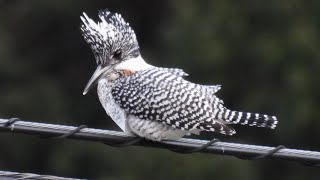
250,119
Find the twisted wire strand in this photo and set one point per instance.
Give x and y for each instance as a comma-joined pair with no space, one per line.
7,175
183,145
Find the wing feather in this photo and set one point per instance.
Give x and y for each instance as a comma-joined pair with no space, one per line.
159,94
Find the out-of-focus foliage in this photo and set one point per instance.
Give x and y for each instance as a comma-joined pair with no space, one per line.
265,54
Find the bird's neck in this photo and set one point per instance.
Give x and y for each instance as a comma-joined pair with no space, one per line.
128,67
133,65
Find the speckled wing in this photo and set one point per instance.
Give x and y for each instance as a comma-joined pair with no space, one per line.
163,95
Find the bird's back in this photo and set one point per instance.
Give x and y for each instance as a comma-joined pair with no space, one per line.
156,94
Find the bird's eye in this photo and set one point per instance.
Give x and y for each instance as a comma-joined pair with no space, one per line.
117,54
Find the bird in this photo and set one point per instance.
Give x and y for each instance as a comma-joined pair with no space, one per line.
155,103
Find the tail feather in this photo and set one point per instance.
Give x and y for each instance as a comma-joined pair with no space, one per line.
250,119
218,127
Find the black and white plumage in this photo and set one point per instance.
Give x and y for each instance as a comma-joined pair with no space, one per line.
153,102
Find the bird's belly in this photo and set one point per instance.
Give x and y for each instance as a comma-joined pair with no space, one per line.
154,130
116,113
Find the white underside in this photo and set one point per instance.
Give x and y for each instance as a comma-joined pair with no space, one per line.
133,64
149,129
154,130
112,109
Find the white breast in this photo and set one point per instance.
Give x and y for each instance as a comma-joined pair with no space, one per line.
112,109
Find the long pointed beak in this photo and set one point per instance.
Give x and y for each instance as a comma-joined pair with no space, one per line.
94,78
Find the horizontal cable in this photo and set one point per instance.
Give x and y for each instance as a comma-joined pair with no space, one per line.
243,151
7,175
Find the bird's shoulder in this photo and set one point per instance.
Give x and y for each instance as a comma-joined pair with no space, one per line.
150,78
160,78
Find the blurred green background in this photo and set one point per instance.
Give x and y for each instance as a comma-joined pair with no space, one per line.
265,54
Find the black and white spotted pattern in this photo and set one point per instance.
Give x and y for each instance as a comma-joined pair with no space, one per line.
111,33
153,102
157,94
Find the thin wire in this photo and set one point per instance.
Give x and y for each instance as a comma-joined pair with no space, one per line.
198,149
10,122
69,133
130,142
29,176
120,139
270,153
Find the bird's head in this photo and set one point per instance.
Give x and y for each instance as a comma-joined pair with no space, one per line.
114,45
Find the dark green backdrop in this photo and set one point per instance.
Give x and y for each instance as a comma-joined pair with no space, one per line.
265,54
